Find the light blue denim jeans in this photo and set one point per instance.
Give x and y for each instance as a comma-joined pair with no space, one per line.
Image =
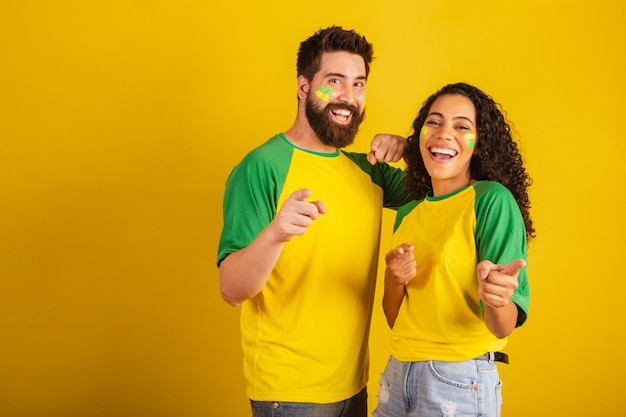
433,388
352,407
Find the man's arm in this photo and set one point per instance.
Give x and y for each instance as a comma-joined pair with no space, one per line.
244,273
386,148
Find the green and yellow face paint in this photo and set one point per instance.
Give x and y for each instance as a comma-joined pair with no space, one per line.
471,140
324,93
423,132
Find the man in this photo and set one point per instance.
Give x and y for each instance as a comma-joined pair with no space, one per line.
300,241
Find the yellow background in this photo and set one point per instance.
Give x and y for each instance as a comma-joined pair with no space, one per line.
120,121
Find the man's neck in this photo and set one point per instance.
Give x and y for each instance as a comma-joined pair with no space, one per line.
301,135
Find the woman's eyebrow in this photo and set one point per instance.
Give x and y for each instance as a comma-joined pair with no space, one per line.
435,113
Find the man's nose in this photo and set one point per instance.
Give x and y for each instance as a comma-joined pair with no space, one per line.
346,95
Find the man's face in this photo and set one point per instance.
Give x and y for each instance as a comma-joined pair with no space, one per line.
335,103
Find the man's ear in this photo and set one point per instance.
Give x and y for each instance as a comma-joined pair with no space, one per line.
303,87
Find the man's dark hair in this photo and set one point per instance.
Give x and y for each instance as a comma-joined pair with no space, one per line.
331,39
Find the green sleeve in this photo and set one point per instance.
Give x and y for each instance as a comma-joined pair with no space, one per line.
387,177
251,195
501,235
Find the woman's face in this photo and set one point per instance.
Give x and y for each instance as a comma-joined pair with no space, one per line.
447,142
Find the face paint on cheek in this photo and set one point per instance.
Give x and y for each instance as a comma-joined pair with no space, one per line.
423,132
324,93
471,140
363,100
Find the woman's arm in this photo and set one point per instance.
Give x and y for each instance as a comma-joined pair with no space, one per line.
496,285
400,269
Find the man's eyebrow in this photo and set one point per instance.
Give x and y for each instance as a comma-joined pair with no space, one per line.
454,118
340,75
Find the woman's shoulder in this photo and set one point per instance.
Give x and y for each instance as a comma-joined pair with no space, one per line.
490,187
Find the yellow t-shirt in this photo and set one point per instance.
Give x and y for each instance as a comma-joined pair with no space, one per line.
441,314
305,336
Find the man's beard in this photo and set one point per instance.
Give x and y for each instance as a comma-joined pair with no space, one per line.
329,132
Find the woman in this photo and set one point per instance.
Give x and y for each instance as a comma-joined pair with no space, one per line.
455,282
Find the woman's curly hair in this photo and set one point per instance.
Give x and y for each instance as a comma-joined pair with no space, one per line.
496,156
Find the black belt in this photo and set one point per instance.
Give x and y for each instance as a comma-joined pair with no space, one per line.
496,356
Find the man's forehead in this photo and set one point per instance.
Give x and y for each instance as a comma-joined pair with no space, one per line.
342,63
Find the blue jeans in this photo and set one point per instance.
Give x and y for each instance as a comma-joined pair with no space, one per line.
352,407
433,388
